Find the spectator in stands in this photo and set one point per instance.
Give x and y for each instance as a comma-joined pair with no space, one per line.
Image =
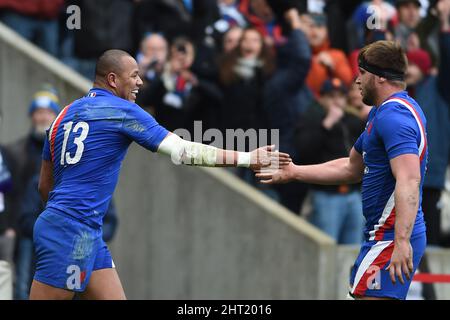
429,31
152,56
30,208
25,154
172,18
372,15
220,36
229,12
243,73
260,15
105,24
328,132
178,96
231,39
408,19
338,13
286,96
35,20
326,62
433,94
199,20
7,228
167,95
175,18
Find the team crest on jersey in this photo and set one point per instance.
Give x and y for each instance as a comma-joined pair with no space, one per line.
369,127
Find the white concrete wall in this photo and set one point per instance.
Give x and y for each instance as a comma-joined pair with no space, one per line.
6,281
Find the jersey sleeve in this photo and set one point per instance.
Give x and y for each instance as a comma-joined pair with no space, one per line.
46,155
142,128
399,131
358,144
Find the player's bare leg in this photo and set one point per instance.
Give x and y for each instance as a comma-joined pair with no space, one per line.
104,284
42,291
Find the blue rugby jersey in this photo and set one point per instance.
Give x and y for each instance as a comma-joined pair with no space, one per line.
87,143
396,127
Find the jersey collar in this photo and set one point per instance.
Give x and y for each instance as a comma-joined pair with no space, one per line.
99,92
398,94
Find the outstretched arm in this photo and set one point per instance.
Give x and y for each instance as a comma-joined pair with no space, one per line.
340,171
197,154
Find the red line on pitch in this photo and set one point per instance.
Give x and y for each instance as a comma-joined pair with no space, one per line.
432,278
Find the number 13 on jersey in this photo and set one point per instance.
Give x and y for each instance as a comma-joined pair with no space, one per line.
66,158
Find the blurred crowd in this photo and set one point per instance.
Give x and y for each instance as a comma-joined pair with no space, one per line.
288,65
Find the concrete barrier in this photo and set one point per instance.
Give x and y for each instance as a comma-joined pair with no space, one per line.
190,233
6,280
23,69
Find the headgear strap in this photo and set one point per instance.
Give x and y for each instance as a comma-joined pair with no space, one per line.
389,74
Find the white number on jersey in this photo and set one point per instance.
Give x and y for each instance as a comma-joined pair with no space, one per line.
66,158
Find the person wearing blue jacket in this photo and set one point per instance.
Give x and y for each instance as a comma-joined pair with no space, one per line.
286,97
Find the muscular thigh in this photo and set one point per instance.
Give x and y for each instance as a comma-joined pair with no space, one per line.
42,291
104,285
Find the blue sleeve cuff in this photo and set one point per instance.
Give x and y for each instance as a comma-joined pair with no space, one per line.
405,150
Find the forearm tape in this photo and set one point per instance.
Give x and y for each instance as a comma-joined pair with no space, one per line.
187,152
196,154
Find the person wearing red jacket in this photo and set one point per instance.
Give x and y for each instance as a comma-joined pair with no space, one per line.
327,62
260,16
35,20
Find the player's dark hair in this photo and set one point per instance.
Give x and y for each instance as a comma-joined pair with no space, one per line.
110,61
386,55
